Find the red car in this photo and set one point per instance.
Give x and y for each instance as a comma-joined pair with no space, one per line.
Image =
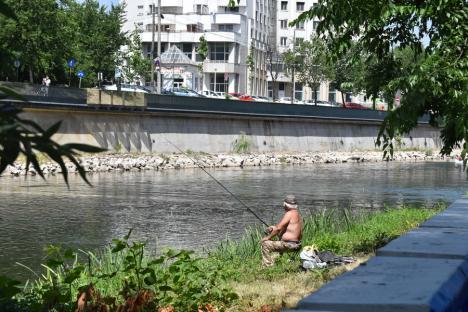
354,105
242,97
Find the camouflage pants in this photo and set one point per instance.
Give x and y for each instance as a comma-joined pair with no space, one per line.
271,249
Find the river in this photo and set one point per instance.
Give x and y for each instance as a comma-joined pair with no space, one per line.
186,209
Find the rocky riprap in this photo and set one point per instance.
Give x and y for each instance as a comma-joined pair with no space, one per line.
133,162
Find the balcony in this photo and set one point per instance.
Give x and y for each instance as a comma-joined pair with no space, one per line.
227,18
172,3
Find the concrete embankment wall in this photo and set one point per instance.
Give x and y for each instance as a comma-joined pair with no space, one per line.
215,133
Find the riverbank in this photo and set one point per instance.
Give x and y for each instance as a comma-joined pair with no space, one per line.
230,277
139,162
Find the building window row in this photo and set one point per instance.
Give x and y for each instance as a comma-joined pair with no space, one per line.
299,6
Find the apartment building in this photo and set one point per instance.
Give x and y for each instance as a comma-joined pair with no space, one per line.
231,33
286,39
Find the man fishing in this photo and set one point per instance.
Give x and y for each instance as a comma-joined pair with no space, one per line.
288,230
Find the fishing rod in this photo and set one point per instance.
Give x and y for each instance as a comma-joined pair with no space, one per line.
216,180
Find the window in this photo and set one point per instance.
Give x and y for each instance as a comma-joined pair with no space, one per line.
283,41
201,9
281,86
226,27
299,6
298,92
219,82
219,51
331,93
284,24
299,41
187,49
300,25
284,5
193,28
140,7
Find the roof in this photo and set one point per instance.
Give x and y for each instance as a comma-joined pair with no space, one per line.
174,56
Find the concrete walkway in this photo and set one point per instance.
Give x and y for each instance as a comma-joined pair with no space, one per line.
423,270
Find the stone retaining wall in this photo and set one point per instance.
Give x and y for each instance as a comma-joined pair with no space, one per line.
132,162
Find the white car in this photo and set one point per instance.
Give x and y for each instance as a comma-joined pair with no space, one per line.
260,98
211,94
126,88
285,100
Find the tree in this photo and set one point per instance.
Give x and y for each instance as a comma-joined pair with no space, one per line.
274,66
250,62
22,136
202,51
97,45
34,35
136,64
314,67
436,86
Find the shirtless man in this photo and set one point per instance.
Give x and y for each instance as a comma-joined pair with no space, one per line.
288,230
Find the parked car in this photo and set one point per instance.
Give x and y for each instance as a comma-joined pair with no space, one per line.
183,92
246,98
354,105
259,98
235,94
210,94
126,88
285,100
227,96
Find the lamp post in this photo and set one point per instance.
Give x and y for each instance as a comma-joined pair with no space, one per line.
294,68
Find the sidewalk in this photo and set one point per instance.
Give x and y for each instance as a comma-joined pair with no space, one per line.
423,270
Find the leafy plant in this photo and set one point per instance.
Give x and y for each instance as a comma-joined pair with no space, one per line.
242,144
435,83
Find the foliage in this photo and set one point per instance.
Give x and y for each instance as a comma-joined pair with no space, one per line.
242,144
314,67
437,85
137,66
202,51
47,33
274,62
125,278
250,62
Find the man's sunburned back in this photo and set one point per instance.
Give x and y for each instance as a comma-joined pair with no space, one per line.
293,231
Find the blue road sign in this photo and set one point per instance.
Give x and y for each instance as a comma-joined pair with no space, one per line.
80,74
71,63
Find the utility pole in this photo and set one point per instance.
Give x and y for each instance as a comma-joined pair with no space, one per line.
294,69
159,47
152,46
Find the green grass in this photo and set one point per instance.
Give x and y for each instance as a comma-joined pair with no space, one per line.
339,231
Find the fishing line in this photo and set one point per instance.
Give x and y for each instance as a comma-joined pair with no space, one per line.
216,180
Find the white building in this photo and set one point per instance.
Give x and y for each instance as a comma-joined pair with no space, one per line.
230,32
286,12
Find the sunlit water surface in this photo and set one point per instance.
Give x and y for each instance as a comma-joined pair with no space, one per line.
186,209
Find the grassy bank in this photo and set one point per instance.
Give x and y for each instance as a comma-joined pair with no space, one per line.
230,278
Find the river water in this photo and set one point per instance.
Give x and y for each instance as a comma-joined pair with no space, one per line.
186,209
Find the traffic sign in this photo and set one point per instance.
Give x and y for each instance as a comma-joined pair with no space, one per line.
71,62
80,74
157,62
17,63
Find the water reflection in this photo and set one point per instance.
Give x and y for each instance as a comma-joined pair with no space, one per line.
185,209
